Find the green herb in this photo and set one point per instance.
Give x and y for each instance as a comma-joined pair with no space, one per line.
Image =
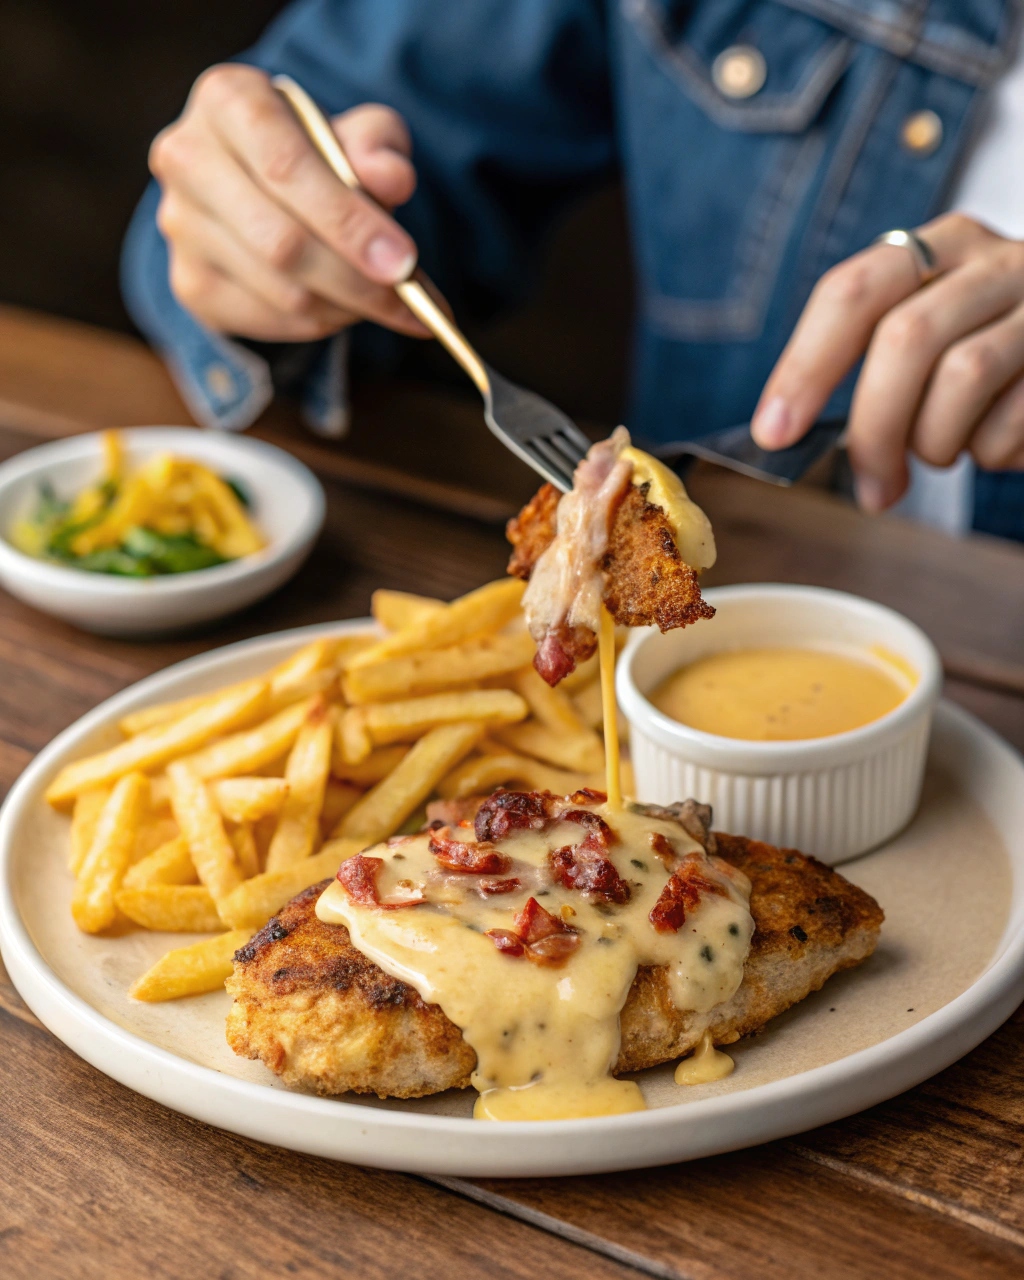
179,553
239,490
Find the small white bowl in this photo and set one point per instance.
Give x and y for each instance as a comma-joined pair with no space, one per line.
287,504
833,797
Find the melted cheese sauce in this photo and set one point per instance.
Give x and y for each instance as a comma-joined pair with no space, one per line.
783,694
694,537
705,1065
547,1038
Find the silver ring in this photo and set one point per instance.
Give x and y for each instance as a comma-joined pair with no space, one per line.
920,250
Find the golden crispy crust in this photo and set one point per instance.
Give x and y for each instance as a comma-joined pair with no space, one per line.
647,582
322,1016
532,531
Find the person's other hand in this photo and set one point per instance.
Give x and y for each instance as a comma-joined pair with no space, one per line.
265,242
944,364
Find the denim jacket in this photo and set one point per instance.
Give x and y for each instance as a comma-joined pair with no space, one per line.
737,204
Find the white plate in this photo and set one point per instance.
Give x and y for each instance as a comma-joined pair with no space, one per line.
949,970
288,506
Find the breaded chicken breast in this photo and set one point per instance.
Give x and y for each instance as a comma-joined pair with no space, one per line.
323,1017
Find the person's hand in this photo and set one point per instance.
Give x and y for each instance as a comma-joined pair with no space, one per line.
265,242
944,366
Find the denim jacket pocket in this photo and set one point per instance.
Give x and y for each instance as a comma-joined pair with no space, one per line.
803,58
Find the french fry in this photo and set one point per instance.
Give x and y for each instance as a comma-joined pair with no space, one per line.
170,864
354,741
153,832
583,674
588,704
253,903
165,712
486,609
190,971
410,719
317,682
551,706
565,751
201,825
243,841
249,799
482,774
303,663
397,609
306,773
250,750
339,797
435,669
93,906
159,793
378,764
383,810
154,748
84,817
171,908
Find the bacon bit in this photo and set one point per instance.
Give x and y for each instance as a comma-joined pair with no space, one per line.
554,950
467,855
540,936
510,944
506,811
681,894
498,886
358,875
586,795
561,649
598,831
663,848
585,868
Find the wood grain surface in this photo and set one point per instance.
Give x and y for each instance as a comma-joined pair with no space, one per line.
98,1182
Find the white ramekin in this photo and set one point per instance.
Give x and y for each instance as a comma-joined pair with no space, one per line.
832,797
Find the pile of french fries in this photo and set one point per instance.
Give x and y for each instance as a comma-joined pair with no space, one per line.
217,809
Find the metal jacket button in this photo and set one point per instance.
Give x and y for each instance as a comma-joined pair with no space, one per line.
921,133
739,71
219,382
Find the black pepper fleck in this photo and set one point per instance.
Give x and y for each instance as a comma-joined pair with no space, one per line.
641,866
734,929
707,954
798,933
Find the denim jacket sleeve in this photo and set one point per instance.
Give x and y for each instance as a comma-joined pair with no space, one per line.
503,137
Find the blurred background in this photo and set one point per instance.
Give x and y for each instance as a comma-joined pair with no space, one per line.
87,84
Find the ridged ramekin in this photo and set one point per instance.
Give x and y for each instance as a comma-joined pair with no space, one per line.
833,797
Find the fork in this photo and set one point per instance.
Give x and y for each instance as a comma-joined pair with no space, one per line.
538,433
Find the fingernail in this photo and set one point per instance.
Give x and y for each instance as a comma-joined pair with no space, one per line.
390,259
871,494
772,425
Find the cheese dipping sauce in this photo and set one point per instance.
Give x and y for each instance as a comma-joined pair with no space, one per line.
767,695
547,1036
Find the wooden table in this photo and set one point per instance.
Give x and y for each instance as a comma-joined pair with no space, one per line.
96,1181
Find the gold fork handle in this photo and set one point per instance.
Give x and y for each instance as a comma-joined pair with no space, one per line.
411,291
